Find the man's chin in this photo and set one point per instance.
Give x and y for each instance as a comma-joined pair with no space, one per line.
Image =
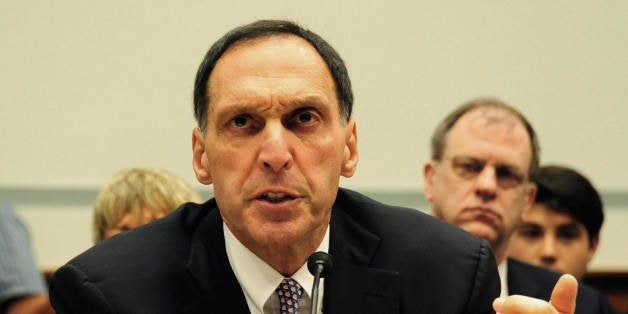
482,231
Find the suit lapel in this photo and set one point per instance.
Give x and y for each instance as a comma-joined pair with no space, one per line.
210,284
521,283
354,286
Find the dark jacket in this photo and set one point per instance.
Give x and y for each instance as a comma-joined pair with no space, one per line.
386,260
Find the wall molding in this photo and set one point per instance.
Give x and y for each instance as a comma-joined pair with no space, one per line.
407,198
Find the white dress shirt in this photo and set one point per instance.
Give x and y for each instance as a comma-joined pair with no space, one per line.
259,280
502,269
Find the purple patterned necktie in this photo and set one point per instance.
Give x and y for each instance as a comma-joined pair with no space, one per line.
289,292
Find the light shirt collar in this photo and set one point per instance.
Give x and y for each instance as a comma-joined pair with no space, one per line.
502,269
259,281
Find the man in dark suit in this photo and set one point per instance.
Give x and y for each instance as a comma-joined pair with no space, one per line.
484,157
179,265
273,103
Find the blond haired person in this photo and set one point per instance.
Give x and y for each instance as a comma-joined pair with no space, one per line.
135,197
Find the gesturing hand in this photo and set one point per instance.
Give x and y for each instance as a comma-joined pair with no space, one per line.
563,300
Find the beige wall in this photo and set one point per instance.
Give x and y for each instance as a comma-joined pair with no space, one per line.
88,88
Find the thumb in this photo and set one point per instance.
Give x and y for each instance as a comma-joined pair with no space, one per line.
564,294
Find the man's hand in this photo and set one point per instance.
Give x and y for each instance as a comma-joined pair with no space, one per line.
563,300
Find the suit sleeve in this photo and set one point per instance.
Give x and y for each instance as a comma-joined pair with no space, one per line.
71,291
486,286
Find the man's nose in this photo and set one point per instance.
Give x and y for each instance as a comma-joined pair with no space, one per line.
548,253
486,182
275,153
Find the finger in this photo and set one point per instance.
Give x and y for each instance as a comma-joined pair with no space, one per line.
564,294
519,304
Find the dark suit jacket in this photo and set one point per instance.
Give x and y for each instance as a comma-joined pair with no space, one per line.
386,260
537,282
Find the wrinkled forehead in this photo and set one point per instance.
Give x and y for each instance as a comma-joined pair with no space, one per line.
271,64
491,132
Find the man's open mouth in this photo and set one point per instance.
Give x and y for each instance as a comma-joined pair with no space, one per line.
276,197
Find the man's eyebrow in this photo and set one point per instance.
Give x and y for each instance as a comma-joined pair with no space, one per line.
235,110
298,101
571,225
312,100
239,108
530,224
467,158
511,167
477,159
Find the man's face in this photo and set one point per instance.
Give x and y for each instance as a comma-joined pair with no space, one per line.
275,145
481,183
552,240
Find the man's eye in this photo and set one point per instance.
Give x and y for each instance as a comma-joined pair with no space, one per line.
506,173
473,166
470,168
240,122
568,234
305,117
530,233
467,168
508,177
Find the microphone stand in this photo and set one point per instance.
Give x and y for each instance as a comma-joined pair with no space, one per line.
320,265
317,277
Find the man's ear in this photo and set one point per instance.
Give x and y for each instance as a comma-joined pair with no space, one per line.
429,171
350,155
531,195
200,161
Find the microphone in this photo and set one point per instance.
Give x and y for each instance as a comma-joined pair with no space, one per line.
320,265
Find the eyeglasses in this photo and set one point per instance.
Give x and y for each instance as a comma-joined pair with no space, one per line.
469,168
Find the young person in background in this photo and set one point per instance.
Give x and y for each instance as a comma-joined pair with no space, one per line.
137,196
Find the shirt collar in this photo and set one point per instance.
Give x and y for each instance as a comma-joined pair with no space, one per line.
258,279
502,269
